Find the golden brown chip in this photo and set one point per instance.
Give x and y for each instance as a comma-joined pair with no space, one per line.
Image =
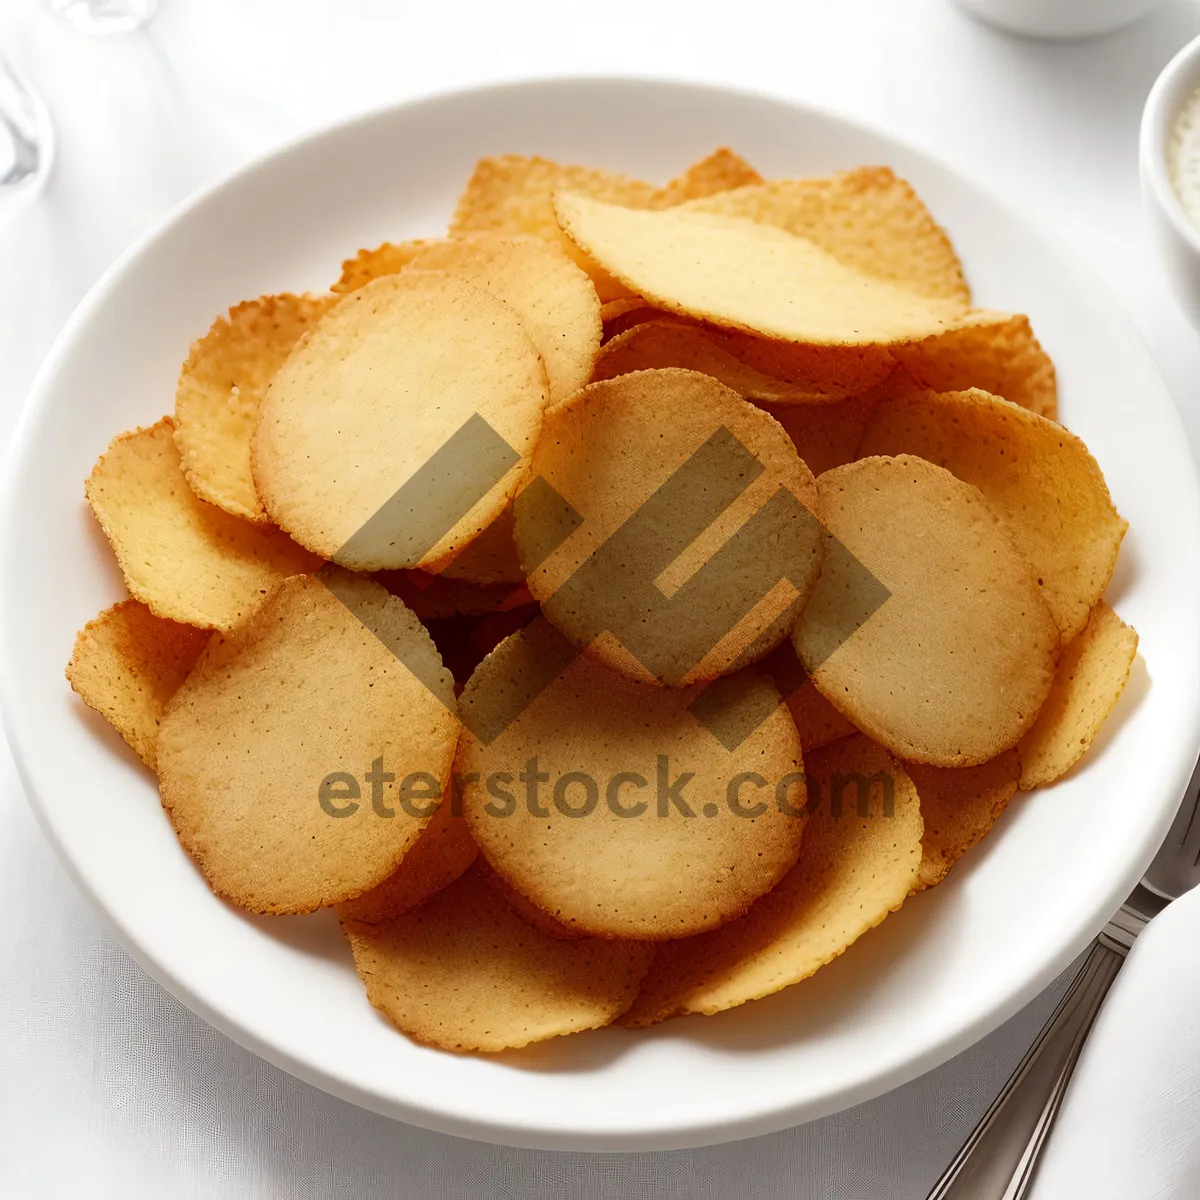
866,218
514,194
306,751
464,642
826,435
553,298
442,852
654,344
416,379
529,912
464,972
221,387
750,277
829,435
993,351
388,259
959,805
927,627
823,374
127,664
491,558
615,310
1091,677
188,561
694,539
433,597
714,173
817,722
596,797
858,863
1037,477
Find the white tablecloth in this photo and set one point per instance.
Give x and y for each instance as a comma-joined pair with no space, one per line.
108,1087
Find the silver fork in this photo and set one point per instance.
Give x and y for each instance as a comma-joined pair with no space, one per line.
999,1159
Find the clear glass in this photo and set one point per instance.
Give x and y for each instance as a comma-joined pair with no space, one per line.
26,140
106,16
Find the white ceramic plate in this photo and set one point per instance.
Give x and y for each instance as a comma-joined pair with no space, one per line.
944,971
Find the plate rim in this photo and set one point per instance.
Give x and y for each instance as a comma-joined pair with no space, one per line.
508,1130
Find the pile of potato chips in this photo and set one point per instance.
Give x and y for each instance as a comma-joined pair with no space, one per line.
615,608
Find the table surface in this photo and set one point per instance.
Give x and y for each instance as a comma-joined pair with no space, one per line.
107,1085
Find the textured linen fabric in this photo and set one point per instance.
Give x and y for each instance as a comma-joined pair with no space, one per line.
109,1087
1128,1129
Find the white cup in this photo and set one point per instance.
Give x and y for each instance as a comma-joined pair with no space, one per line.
1173,231
1061,19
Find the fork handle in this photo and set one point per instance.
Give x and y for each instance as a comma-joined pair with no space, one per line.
998,1160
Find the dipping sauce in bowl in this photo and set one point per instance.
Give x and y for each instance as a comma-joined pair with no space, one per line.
1183,156
1169,165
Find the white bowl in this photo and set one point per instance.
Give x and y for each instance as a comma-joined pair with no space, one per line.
1058,19
1174,232
946,969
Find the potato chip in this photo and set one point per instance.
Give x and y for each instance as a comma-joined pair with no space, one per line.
464,972
1036,476
717,172
127,664
491,558
634,317
514,194
826,435
677,804
1091,677
387,259
529,912
860,858
442,852
765,371
416,394
614,310
188,561
743,275
433,597
927,627
866,218
995,352
329,681
959,805
694,541
829,435
822,374
553,298
793,372
464,642
817,722
221,387
654,344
